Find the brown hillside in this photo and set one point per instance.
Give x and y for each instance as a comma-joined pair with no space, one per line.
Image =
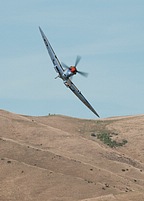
59,158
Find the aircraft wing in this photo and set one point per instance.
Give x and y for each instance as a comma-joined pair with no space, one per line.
75,90
57,65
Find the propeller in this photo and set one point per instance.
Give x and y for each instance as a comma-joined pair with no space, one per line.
76,63
82,73
77,60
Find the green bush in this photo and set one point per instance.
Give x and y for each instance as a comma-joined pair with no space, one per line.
106,139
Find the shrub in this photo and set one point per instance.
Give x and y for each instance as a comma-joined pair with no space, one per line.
106,139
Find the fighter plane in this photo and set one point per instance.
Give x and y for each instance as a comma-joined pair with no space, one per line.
66,73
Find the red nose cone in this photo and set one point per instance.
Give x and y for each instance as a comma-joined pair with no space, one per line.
73,69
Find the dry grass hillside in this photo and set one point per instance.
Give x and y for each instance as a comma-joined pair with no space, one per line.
58,158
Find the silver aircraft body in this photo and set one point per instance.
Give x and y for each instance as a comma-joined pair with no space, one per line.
65,72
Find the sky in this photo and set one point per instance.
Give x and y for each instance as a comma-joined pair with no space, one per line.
107,34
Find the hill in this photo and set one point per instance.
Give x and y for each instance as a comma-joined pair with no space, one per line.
60,158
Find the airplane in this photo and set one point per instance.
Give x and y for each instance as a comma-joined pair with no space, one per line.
66,73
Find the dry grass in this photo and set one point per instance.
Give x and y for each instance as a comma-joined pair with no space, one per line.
60,158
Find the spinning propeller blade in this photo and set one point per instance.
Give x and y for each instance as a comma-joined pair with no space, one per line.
77,60
76,63
82,73
64,65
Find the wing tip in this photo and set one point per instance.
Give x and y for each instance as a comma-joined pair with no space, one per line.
40,29
97,115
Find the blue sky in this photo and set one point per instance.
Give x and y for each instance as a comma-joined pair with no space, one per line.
109,36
